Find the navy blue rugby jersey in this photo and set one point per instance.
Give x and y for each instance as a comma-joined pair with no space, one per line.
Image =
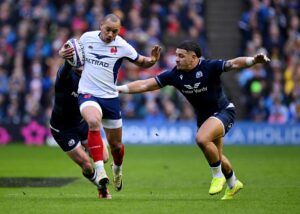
65,113
201,86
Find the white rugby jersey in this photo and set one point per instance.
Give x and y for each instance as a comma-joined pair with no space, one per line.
102,62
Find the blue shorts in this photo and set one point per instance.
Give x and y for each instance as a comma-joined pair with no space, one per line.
226,116
71,138
110,108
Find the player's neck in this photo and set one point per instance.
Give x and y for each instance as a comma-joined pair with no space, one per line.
193,65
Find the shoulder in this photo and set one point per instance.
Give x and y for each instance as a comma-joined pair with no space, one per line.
166,77
90,35
119,41
212,64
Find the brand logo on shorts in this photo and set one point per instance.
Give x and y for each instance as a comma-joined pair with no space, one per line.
230,125
71,142
87,96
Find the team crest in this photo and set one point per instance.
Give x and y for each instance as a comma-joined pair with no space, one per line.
199,74
71,142
114,50
181,77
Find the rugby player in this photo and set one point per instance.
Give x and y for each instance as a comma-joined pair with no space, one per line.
98,96
67,125
199,81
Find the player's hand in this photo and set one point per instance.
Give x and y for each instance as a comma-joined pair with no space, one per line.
155,53
261,58
66,52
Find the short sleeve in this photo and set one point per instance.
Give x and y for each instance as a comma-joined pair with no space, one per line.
165,78
216,66
130,52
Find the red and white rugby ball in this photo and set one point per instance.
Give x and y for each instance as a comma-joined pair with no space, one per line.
78,57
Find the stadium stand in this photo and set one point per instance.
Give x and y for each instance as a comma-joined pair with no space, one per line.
32,31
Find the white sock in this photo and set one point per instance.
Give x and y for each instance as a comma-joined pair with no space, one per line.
117,169
216,172
99,165
231,181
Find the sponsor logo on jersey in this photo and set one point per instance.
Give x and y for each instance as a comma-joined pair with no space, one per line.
196,85
194,89
71,142
199,74
98,61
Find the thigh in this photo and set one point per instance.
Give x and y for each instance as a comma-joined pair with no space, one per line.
89,107
227,117
210,130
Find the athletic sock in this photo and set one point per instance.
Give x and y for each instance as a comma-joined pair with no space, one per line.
99,165
117,169
216,170
230,179
91,176
118,155
95,145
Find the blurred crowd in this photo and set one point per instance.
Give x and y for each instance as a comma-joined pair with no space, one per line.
32,32
272,93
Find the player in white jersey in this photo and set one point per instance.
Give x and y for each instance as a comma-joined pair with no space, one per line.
98,96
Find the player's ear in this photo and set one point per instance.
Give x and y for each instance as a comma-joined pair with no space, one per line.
194,56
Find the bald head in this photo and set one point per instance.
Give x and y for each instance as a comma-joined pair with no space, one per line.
112,17
110,28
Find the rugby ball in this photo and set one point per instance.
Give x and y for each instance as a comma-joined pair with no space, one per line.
78,57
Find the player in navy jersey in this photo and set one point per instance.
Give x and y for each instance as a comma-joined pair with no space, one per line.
98,96
68,127
199,81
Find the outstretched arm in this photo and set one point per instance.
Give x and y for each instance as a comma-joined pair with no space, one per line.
139,86
244,62
147,62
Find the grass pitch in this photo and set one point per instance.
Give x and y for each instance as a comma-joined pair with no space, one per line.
157,179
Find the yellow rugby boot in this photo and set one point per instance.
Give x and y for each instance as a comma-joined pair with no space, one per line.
216,185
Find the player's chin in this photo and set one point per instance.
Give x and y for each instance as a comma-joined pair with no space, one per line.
108,40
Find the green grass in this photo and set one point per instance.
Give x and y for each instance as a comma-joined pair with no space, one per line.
157,179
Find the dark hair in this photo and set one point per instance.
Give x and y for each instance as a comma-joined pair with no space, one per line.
190,45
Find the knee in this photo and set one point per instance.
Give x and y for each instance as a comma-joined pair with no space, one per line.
202,141
115,145
93,123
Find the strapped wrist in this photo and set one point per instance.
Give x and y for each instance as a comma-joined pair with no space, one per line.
250,61
123,88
